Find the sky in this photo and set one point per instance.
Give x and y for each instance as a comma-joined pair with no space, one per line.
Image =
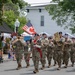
36,1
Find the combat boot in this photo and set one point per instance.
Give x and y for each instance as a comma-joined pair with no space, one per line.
27,65
43,67
19,67
35,71
49,66
72,64
55,63
65,66
58,68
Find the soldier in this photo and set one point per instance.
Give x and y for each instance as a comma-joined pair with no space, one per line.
57,37
54,53
59,53
72,53
67,49
27,52
44,44
36,53
18,46
50,51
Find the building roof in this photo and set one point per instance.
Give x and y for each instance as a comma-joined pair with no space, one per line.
5,28
42,6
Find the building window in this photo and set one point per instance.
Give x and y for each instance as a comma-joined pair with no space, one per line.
28,10
42,20
39,10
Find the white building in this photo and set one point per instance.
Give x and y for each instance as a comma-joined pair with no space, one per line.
41,20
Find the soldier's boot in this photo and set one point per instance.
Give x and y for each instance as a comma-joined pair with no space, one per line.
43,67
27,65
19,67
54,63
59,67
73,64
65,66
35,71
63,62
49,64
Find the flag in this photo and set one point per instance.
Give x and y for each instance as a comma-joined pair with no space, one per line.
29,28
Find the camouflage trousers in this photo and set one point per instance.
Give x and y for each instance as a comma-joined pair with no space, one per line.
26,58
66,55
59,57
36,62
18,58
43,59
55,57
49,57
72,56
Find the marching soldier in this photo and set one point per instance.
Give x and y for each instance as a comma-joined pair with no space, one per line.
72,53
18,46
67,49
27,52
59,53
54,53
50,51
57,38
36,53
44,44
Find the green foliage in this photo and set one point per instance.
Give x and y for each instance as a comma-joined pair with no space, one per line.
23,21
63,13
11,18
10,5
21,3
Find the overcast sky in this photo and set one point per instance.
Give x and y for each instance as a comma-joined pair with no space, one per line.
36,1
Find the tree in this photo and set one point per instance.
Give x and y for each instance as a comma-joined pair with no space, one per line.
21,3
63,12
10,20
2,9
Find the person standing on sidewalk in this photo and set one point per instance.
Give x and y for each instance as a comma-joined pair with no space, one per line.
1,52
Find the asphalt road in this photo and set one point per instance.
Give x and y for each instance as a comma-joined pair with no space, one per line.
8,67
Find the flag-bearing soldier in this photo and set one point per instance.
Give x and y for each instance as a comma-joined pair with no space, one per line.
36,53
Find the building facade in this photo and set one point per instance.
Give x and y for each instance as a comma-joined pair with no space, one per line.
42,21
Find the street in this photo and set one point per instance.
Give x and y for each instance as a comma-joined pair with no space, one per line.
8,67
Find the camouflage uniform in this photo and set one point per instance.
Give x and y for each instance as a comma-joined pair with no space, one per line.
27,53
59,54
18,46
55,54
44,53
36,56
72,54
50,53
44,46
66,53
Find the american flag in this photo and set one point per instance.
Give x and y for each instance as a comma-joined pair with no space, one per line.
29,28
